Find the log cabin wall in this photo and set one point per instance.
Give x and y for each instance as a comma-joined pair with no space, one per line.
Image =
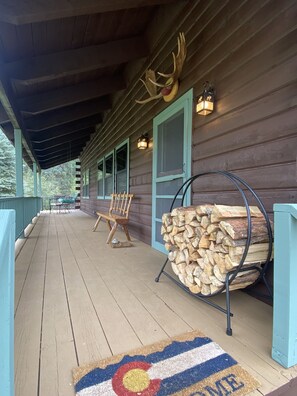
248,51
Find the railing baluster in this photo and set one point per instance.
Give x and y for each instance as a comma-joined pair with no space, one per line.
7,238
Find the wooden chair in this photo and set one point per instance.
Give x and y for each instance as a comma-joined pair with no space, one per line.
118,214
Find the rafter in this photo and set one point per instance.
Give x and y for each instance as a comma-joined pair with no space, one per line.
61,154
66,149
20,12
4,119
72,137
67,114
58,161
66,96
47,67
65,129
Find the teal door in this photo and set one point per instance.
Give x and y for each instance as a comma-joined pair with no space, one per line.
171,160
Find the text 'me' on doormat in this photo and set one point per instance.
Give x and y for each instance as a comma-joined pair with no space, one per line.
187,365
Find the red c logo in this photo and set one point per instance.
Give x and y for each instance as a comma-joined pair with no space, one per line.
131,379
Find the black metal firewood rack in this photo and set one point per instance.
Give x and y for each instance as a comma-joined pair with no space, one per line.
240,185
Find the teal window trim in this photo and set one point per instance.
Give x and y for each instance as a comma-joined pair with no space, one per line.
86,184
113,153
103,163
185,102
125,142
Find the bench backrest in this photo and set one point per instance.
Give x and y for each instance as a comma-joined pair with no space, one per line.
120,204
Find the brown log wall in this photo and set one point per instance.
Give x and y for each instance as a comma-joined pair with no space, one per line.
248,50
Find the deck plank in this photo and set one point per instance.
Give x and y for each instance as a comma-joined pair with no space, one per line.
58,355
78,300
28,322
91,343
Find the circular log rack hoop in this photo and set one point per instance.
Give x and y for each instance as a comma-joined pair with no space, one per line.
231,275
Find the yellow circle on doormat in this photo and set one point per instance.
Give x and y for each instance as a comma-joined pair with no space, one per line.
136,380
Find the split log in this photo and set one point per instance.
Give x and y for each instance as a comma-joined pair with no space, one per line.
207,241
221,212
237,228
204,209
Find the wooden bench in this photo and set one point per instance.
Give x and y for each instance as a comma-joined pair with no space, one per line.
118,214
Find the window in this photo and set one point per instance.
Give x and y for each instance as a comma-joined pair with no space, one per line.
100,181
121,171
113,172
86,183
108,176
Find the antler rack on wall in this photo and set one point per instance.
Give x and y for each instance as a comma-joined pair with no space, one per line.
170,88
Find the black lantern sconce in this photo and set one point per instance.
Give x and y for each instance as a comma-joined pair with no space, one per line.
143,142
205,101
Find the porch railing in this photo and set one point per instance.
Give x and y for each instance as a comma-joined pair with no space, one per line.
7,238
26,209
284,343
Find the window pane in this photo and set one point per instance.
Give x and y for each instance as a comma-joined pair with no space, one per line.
169,187
170,146
163,205
121,169
86,177
159,237
109,175
100,179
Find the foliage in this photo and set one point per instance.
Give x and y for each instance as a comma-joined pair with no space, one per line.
7,167
59,180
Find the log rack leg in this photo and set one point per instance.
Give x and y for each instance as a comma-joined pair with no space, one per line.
229,329
162,269
96,224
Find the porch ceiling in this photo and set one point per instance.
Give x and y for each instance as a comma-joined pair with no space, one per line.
60,63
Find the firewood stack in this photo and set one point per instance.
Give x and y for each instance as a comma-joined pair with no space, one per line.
207,241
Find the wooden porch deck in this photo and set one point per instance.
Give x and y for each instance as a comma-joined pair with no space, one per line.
78,300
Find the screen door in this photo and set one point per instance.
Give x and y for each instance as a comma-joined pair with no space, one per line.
171,160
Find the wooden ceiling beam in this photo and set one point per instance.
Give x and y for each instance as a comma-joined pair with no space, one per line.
67,114
4,119
55,132
71,137
11,110
72,94
58,161
49,154
19,12
52,66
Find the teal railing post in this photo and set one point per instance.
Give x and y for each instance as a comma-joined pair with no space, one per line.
39,183
7,238
35,187
18,162
35,179
284,343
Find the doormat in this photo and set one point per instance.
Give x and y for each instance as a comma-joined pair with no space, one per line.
187,365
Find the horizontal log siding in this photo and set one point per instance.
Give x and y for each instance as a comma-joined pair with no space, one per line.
248,50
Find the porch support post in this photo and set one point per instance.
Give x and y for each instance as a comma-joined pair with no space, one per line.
39,183
284,343
18,162
40,190
35,179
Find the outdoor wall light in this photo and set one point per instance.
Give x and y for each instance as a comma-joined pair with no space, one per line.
143,141
205,101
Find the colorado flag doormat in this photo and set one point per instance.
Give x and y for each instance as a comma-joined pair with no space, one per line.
188,365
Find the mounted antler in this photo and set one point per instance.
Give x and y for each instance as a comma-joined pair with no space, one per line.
170,87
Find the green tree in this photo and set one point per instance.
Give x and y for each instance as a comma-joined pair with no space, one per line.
59,180
7,167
